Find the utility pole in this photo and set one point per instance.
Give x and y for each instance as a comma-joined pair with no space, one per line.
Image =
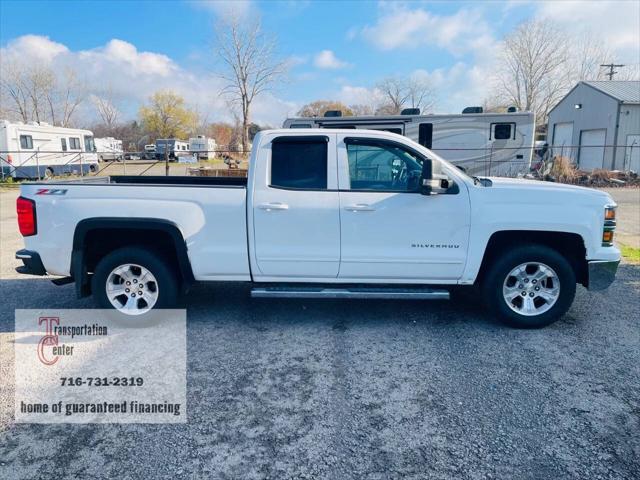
611,71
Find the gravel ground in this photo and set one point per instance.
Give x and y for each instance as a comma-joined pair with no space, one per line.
353,389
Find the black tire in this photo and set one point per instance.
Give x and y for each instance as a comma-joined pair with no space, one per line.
166,278
492,285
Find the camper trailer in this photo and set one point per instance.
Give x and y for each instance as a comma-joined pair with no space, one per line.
174,148
204,147
481,143
109,149
37,150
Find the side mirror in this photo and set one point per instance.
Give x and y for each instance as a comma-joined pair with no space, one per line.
426,177
433,183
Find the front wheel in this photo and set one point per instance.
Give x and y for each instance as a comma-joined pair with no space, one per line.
530,286
134,281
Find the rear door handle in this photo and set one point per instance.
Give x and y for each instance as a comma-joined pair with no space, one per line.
360,207
273,206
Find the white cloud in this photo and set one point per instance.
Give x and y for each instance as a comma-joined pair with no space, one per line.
326,59
133,76
400,27
34,47
617,23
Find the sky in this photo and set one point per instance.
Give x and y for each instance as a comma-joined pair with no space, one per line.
335,50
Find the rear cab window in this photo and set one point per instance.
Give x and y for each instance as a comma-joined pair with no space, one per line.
299,163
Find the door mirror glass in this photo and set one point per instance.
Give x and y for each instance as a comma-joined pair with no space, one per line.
436,185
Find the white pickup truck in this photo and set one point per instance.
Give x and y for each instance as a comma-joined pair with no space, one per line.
324,213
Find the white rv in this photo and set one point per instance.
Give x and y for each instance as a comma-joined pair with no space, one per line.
173,146
204,147
109,149
37,150
482,143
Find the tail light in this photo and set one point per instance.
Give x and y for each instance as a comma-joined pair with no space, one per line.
609,225
26,209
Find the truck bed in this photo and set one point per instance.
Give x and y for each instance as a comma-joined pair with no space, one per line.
155,180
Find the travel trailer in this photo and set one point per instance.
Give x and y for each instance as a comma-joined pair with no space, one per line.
498,144
109,149
174,146
203,146
37,150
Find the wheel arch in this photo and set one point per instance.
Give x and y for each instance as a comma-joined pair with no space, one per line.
98,236
570,245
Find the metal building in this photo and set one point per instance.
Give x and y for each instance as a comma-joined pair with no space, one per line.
597,125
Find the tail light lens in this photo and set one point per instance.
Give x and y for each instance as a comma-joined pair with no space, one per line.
26,209
609,225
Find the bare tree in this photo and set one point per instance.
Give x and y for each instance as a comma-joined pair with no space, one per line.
249,66
398,93
540,62
105,104
68,96
394,94
587,55
36,93
15,95
531,76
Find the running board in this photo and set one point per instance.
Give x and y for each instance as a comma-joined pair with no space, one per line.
351,292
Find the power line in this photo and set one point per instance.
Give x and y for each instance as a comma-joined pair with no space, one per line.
611,67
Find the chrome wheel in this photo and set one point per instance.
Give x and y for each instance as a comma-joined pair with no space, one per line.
132,289
531,288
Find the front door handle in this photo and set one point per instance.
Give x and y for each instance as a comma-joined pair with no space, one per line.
360,207
273,206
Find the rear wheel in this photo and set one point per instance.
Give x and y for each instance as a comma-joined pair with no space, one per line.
134,281
530,286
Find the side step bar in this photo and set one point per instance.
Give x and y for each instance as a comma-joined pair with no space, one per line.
350,292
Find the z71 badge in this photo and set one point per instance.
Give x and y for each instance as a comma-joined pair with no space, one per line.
51,191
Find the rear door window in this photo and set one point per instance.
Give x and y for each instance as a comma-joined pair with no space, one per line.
299,163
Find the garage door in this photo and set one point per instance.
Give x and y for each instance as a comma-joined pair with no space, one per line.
633,153
562,138
591,149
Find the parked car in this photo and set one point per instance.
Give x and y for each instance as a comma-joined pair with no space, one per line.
325,214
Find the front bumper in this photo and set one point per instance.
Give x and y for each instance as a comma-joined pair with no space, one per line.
32,264
602,273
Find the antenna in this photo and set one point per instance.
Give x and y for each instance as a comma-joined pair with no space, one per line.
611,67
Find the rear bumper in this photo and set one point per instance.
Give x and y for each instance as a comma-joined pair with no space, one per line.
32,264
602,273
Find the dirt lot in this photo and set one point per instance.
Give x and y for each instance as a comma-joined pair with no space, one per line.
352,389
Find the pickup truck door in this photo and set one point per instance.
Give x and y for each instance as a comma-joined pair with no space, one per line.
296,217
389,231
